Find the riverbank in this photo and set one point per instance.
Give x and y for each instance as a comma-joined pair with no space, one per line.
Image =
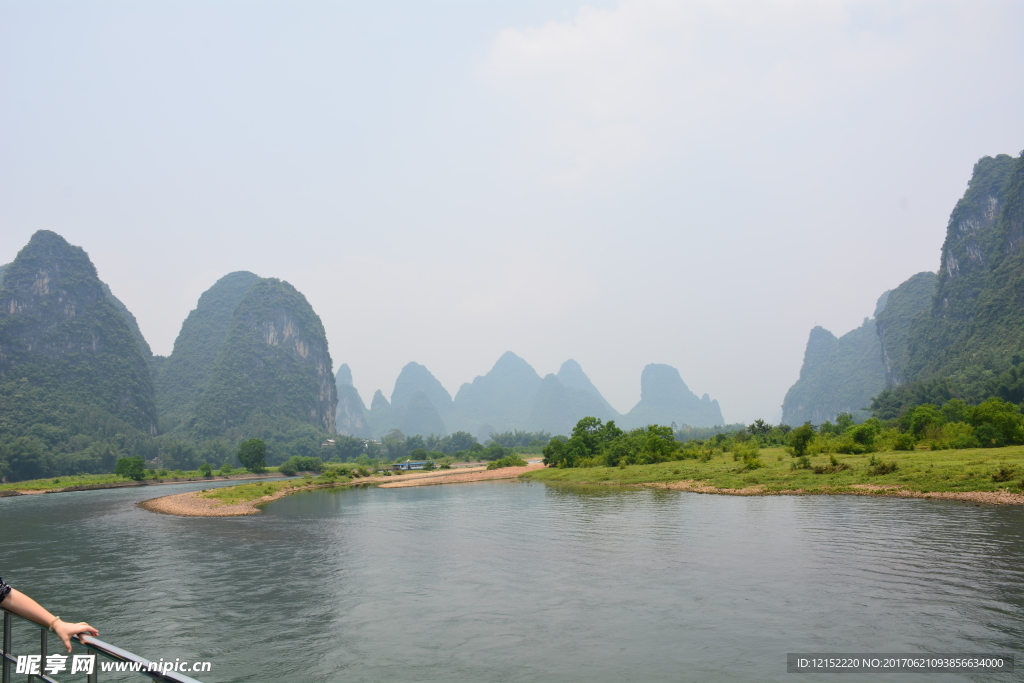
482,474
94,482
992,476
248,499
201,504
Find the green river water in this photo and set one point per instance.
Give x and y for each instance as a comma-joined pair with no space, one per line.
510,582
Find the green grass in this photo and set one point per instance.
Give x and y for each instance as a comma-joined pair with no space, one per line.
925,471
246,493
232,495
61,482
90,479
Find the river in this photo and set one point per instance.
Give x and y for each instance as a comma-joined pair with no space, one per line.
510,582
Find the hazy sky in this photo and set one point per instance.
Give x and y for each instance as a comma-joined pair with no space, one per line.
692,183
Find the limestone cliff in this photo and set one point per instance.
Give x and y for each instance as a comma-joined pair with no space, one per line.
842,375
975,325
274,365
183,376
70,365
350,417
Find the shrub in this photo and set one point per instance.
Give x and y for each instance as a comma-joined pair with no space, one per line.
877,467
996,422
955,435
206,469
300,463
802,463
253,455
833,467
493,452
989,436
904,442
864,435
226,468
1004,474
746,449
851,447
800,439
131,468
507,461
751,462
922,419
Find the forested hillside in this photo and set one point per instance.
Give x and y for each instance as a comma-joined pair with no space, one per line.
184,374
957,335
80,387
975,326
75,387
894,320
839,375
273,370
842,375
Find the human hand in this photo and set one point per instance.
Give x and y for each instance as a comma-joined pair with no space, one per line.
65,630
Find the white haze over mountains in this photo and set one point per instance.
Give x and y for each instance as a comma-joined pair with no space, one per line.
689,183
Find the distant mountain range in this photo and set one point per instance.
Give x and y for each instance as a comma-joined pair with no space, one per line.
959,333
80,386
513,396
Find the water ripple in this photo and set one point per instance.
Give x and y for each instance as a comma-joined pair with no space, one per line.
522,582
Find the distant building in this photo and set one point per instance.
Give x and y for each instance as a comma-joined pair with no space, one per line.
327,444
406,466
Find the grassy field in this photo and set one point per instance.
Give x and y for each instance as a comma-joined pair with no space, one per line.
245,493
61,482
981,469
92,479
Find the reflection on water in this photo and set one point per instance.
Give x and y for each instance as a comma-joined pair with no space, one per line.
504,581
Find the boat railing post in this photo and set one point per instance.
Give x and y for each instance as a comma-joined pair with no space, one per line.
42,651
7,647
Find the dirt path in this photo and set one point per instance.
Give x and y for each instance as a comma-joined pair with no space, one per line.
478,474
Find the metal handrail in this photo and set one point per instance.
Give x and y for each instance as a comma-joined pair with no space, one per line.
90,643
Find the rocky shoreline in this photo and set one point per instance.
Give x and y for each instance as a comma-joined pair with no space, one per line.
895,491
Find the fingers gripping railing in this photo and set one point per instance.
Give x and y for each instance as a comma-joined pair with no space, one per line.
94,646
